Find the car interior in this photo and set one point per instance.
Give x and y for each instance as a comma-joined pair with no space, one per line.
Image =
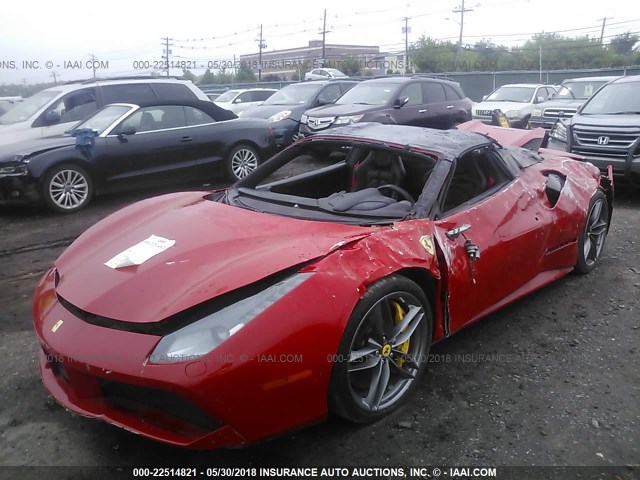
364,183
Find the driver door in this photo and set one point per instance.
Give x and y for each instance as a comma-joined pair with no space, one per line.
498,251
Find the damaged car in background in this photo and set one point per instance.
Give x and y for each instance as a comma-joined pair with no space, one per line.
313,285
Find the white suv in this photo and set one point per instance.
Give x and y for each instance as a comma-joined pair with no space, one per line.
54,110
516,101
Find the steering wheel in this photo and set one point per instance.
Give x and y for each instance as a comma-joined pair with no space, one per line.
406,195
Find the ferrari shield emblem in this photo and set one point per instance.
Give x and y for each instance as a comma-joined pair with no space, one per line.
55,328
427,243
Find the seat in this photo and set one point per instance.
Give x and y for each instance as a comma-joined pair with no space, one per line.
147,122
378,168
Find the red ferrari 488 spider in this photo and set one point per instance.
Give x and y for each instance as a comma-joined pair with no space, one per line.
316,284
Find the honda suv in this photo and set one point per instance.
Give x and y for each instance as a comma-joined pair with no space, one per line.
564,104
606,129
54,110
418,101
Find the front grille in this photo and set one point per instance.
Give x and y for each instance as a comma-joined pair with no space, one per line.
319,123
484,113
154,405
605,141
560,112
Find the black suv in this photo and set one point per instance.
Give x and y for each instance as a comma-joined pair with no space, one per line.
606,129
418,101
284,108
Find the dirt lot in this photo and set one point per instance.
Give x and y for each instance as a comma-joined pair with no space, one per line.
552,380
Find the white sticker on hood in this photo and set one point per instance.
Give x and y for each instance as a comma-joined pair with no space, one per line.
140,253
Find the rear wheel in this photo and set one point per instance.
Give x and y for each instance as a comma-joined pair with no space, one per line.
67,188
383,351
242,160
593,234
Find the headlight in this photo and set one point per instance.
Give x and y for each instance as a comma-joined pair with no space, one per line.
512,114
536,112
201,337
304,118
559,132
348,119
279,116
22,158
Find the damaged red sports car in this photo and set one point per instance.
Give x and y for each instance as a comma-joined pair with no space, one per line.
316,284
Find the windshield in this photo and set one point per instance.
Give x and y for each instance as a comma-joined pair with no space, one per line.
615,98
24,110
228,96
512,94
293,95
369,94
100,120
334,72
332,181
579,90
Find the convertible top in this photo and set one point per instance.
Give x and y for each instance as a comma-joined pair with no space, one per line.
210,108
447,144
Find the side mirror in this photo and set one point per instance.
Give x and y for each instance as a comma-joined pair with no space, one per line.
484,97
237,100
540,99
125,132
400,102
321,102
51,118
551,96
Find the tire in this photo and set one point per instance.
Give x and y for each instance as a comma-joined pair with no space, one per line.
241,161
593,234
67,188
368,353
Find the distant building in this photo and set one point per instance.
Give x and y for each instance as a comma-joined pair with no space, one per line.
286,63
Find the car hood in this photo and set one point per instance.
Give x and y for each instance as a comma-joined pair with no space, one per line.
564,103
8,151
504,106
606,120
341,110
218,248
265,111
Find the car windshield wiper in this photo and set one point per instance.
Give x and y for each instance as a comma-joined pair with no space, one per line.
627,112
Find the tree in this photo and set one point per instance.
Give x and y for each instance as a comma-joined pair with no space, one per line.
271,77
245,74
624,44
351,66
207,79
188,75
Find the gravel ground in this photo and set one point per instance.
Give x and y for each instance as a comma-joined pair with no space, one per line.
553,379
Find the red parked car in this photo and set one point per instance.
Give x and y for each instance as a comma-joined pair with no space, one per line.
223,318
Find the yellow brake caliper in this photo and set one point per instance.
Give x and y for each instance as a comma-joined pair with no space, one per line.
398,316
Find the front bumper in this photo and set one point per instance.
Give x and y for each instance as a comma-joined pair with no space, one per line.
18,189
244,391
284,132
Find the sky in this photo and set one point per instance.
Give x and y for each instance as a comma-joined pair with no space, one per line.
39,39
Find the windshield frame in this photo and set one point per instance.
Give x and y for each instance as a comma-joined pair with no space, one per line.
49,96
130,108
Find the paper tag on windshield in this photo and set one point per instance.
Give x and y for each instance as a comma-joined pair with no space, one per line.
140,253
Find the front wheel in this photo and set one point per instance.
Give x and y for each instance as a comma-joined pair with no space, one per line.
593,234
383,351
67,188
242,160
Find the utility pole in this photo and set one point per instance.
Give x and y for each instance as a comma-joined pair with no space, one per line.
324,35
261,44
461,10
55,78
604,22
406,30
93,64
167,51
